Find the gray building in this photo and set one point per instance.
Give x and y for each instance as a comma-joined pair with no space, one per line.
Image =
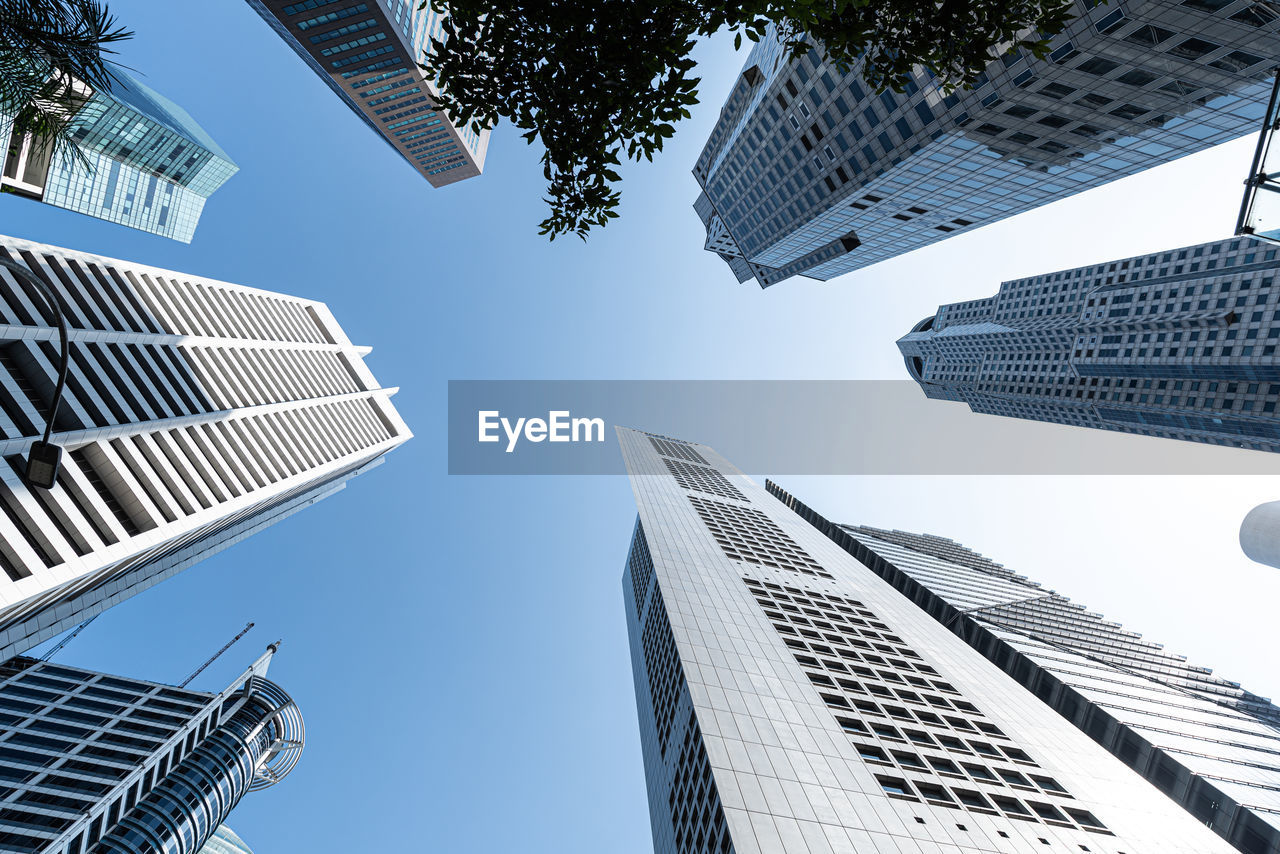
196,414
1206,742
1180,344
809,172
143,162
792,700
114,765
368,54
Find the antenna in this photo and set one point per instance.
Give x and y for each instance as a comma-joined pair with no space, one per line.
226,646
58,647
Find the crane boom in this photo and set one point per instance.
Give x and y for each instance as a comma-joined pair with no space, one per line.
226,646
58,647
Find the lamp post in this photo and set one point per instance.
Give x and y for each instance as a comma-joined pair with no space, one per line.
45,457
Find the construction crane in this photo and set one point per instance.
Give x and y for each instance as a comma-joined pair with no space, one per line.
58,647
215,656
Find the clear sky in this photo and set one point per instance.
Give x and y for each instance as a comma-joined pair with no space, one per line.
457,645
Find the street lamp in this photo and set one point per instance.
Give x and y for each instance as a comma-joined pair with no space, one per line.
45,457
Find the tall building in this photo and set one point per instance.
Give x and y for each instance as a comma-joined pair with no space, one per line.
810,172
143,162
368,54
112,765
791,700
225,841
196,413
1180,344
1207,743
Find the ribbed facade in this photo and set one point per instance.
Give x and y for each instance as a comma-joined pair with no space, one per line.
1206,742
368,54
1180,344
810,172
196,413
225,841
143,162
109,765
791,701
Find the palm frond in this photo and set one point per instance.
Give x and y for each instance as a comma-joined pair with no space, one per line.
53,55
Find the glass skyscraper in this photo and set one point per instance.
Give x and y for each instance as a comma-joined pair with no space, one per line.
1180,344
145,162
196,413
1206,742
792,700
225,841
809,172
368,53
113,765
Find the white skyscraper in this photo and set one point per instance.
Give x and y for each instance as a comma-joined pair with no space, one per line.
196,413
1206,742
791,701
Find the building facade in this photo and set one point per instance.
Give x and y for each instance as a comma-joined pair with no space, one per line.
368,53
791,700
225,841
142,162
112,765
196,413
1180,344
810,172
1206,742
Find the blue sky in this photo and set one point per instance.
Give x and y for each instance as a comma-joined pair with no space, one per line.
457,645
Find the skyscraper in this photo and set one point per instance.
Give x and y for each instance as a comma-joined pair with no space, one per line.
113,765
1207,743
809,172
145,162
1180,344
196,413
225,841
368,54
791,700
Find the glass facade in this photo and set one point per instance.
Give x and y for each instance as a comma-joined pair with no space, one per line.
1204,741
1180,344
809,172
115,765
368,53
146,163
790,699
225,841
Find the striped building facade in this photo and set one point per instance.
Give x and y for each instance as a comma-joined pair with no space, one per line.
196,413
